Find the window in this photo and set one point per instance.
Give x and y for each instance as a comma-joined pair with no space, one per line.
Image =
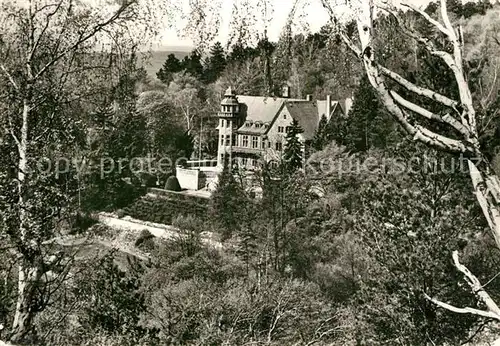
221,123
253,162
221,139
248,124
228,140
255,142
284,116
245,141
287,129
233,142
269,144
244,161
279,146
263,144
228,123
280,129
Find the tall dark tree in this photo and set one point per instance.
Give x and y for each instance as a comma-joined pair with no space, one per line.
367,124
170,66
227,203
292,155
216,63
241,53
320,137
192,64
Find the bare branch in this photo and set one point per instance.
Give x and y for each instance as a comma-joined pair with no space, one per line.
417,89
9,76
493,311
46,26
465,310
431,20
447,118
476,286
84,38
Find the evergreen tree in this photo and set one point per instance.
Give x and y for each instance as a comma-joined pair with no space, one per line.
227,203
170,66
292,154
241,53
320,137
366,126
192,64
216,63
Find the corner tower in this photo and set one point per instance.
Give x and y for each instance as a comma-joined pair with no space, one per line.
228,124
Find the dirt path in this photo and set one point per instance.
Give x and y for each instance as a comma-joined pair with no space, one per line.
158,230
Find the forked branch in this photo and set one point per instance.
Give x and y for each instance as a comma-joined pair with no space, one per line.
492,310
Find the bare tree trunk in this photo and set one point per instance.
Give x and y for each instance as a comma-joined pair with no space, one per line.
487,190
27,275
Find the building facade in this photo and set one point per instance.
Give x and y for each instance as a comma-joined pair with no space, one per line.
254,128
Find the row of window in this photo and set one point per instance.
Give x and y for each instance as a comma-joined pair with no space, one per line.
230,109
282,129
257,125
226,139
224,123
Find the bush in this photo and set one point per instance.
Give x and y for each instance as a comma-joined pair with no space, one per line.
172,184
82,222
145,235
164,210
146,241
120,213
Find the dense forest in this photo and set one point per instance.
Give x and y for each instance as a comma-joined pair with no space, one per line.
350,247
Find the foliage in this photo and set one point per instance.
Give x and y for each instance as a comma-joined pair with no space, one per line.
320,139
172,184
163,210
366,126
112,300
293,153
227,204
215,64
171,66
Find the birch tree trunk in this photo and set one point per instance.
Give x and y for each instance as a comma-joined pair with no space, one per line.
44,59
26,274
461,118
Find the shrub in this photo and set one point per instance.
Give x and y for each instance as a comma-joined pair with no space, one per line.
146,241
145,235
82,222
172,184
120,213
163,210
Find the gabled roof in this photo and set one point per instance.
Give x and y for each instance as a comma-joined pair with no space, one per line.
306,114
322,108
262,109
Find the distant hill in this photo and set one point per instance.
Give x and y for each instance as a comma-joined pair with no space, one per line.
157,58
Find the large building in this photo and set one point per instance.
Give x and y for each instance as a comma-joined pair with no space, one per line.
254,128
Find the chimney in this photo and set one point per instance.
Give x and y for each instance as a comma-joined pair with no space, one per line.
309,97
286,91
348,105
328,106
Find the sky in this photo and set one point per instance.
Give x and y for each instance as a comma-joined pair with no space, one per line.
316,17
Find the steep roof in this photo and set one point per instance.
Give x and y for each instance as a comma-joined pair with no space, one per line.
306,114
321,108
259,109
